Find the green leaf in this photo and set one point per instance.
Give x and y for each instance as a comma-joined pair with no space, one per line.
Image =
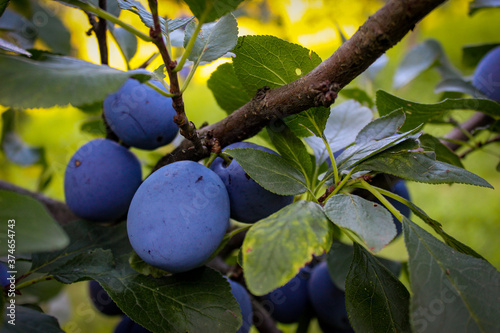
126,41
8,46
421,167
422,57
308,122
214,39
452,292
51,30
472,54
276,247
30,320
210,10
443,153
418,113
269,61
357,153
270,171
375,299
34,230
55,80
382,127
369,220
344,123
144,268
291,148
416,61
458,85
94,125
358,95
339,260
227,89
476,5
196,301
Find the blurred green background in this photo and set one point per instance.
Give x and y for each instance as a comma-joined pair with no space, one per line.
470,214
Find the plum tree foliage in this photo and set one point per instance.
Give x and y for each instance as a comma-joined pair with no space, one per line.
295,226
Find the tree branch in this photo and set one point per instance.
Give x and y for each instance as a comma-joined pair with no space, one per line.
319,87
478,120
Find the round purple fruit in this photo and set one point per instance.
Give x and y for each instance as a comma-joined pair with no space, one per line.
178,216
141,116
245,304
250,202
102,301
327,300
101,179
287,304
487,75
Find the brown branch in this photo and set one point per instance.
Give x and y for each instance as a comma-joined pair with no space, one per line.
59,210
319,87
187,128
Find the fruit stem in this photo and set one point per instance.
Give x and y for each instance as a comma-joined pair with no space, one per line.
189,47
377,193
107,16
212,157
161,91
332,159
340,185
34,281
226,159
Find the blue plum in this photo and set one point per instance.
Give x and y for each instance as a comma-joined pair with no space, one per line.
245,304
101,179
102,301
4,275
178,216
287,303
250,202
141,116
487,75
327,300
127,325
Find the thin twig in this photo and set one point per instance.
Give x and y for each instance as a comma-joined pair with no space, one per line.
187,128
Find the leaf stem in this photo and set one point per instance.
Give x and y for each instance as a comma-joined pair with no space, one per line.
34,281
161,91
377,193
340,186
189,47
332,159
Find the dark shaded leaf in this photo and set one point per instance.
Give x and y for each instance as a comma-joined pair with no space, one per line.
452,292
291,148
211,10
375,299
308,122
421,167
55,80
270,171
476,5
443,153
418,113
227,89
30,320
34,229
472,54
